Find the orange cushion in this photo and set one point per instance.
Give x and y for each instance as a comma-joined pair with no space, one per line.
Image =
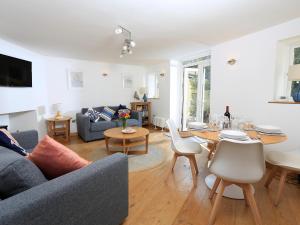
55,159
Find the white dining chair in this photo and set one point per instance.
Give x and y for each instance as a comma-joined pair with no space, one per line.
285,163
239,163
187,147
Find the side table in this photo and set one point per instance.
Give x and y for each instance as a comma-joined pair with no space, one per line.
59,127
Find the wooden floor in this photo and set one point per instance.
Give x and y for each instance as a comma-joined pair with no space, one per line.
155,201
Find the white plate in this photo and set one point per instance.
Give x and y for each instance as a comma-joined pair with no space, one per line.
128,131
236,139
268,129
233,134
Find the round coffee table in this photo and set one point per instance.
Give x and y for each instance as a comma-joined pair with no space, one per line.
115,137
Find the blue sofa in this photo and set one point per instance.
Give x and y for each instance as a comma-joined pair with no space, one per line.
94,195
90,131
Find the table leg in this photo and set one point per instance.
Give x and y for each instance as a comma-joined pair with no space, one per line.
106,144
147,143
124,147
68,130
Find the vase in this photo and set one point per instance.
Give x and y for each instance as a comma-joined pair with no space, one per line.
124,124
296,94
145,98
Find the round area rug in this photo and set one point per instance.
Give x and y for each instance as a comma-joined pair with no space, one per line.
152,159
156,155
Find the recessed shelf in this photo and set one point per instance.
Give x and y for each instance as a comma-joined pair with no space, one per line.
284,102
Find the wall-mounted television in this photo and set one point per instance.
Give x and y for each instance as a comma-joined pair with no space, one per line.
15,72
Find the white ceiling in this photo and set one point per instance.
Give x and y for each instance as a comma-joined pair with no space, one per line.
162,29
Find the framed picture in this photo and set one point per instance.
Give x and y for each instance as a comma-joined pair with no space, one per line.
75,79
127,81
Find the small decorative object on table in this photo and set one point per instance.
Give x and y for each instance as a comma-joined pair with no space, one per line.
123,116
145,98
128,130
136,96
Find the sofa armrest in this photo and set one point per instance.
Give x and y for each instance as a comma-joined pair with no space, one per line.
83,125
94,195
137,115
27,139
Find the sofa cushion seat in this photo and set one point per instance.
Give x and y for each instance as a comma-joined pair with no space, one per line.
102,125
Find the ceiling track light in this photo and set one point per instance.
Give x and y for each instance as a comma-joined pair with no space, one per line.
128,42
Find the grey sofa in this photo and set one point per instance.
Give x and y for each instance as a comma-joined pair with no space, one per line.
90,131
94,195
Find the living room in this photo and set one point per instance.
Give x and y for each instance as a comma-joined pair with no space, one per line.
150,81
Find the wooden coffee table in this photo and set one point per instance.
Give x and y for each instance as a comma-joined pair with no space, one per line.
115,137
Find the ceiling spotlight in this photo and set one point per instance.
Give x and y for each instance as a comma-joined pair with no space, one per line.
132,43
128,42
119,30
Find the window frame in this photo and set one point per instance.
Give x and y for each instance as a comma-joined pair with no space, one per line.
156,95
291,62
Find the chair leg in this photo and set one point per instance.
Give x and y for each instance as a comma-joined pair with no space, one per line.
281,186
173,162
270,176
216,205
245,196
194,171
193,161
214,188
252,203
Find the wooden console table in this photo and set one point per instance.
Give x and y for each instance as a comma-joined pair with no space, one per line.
145,108
59,127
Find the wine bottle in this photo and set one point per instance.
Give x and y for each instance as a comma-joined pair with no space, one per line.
227,113
227,122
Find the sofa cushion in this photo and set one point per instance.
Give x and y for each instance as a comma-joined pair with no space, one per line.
99,109
7,140
94,115
102,125
55,159
17,173
107,114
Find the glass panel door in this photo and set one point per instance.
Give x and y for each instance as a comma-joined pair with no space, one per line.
196,89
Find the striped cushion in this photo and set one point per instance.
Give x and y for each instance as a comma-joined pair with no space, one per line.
107,113
93,114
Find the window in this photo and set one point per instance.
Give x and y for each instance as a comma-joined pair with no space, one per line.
152,85
296,60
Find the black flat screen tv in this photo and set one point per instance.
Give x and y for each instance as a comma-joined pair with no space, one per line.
15,72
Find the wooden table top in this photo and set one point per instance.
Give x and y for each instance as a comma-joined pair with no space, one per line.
117,133
64,118
265,139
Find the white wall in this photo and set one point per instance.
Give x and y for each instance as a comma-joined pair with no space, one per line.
24,99
98,90
248,86
50,85
161,105
176,96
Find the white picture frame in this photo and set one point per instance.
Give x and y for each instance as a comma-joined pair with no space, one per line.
127,81
75,79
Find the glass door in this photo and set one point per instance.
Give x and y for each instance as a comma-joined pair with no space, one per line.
196,90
